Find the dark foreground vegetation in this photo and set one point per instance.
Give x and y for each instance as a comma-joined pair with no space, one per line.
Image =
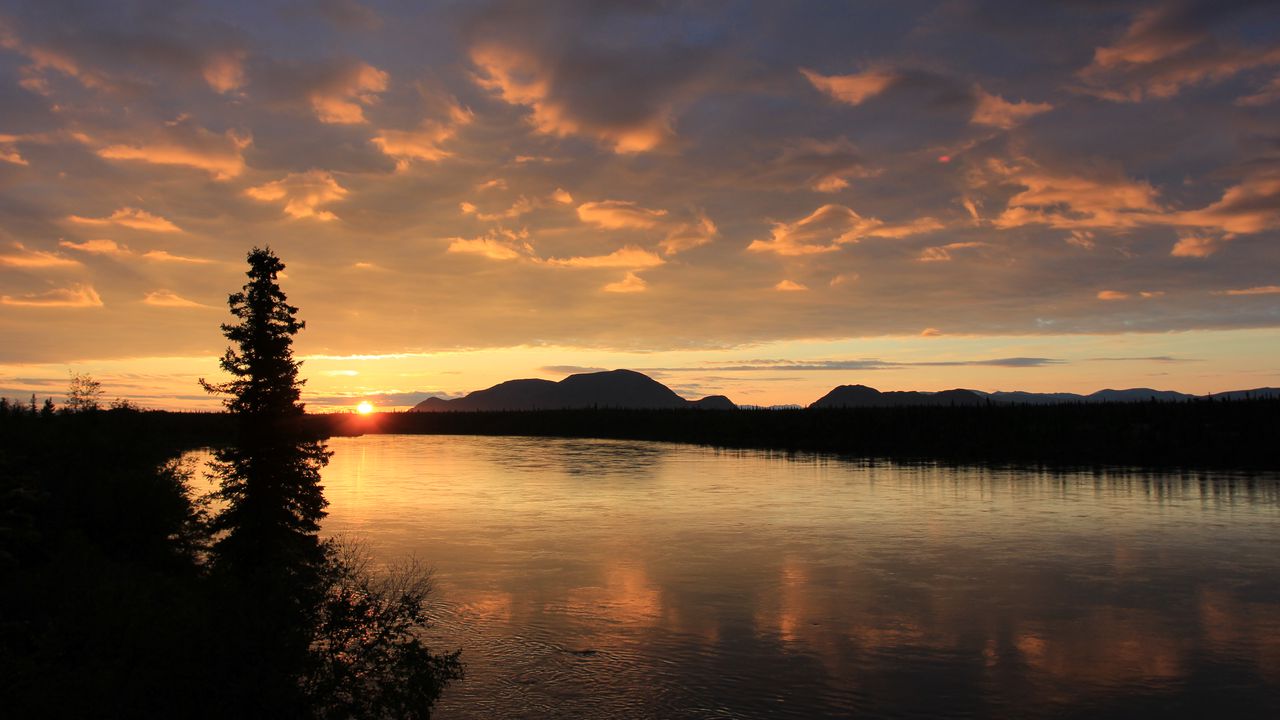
125,597
1239,434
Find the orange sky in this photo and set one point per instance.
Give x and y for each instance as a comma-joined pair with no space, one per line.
925,195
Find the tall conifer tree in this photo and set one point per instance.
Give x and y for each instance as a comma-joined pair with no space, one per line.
270,479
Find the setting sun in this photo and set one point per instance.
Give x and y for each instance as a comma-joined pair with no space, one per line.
365,407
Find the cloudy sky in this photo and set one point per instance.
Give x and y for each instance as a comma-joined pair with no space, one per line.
760,199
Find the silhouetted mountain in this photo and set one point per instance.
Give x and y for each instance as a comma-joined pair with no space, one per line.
714,402
1136,395
1030,398
863,396
611,389
432,404
1266,392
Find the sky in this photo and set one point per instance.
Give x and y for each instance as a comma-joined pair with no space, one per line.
757,199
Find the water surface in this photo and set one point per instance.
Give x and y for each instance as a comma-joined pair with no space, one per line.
611,579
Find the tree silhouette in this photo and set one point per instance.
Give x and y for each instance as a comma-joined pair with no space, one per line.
83,394
270,479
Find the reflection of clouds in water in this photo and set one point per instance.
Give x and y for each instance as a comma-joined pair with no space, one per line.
576,458
811,586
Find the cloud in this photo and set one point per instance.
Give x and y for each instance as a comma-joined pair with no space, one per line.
831,226
224,71
1260,290
170,299
497,244
1166,49
1197,246
632,283
776,365
76,296
163,256
1251,206
930,332
1112,295
1265,96
688,235
619,214
851,89
824,166
342,97
630,256
25,258
942,253
624,93
132,218
1106,199
96,247
302,194
995,111
789,286
424,142
681,235
185,143
570,369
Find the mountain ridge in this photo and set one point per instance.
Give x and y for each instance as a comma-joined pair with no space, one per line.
634,390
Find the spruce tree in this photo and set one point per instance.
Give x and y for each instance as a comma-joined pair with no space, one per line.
270,479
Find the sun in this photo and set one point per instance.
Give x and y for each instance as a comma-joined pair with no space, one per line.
365,407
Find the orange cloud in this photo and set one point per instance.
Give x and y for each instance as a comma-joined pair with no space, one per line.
1072,201
1164,50
1250,207
302,194
9,150
132,218
995,111
942,253
163,256
1197,246
521,78
25,258
789,286
1261,290
498,244
342,99
1112,295
632,283
76,296
626,257
830,226
224,71
96,247
689,235
619,214
425,142
184,143
851,89
170,299
930,332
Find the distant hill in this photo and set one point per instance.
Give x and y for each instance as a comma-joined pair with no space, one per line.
610,389
863,396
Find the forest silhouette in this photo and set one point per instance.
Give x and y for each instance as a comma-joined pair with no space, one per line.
129,597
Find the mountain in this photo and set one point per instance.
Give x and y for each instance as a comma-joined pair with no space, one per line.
714,402
1136,395
610,389
863,396
1266,392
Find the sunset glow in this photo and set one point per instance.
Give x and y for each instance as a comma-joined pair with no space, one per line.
364,408
806,196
